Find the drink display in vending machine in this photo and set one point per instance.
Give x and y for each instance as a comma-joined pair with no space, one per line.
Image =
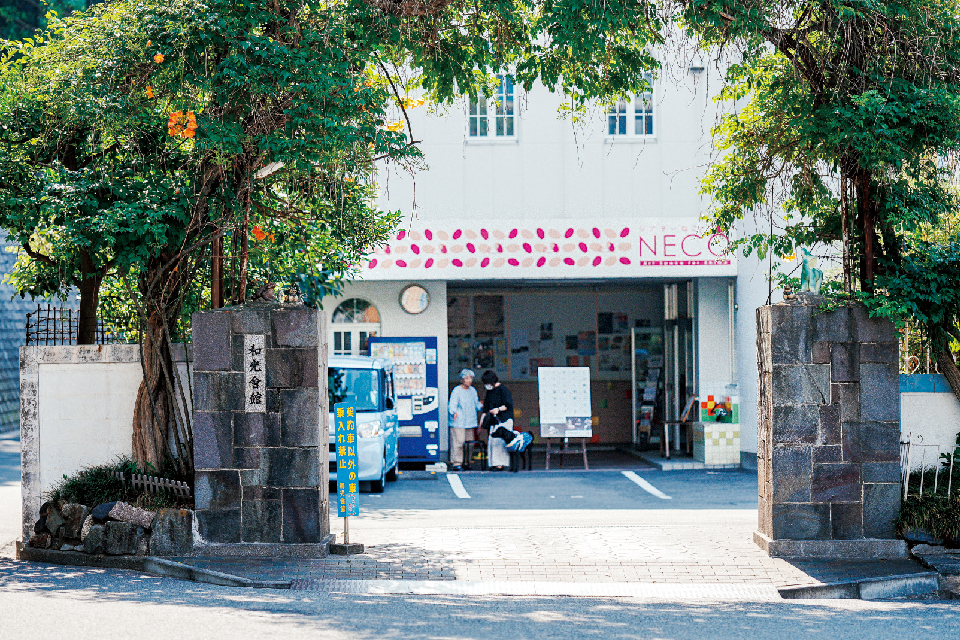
418,402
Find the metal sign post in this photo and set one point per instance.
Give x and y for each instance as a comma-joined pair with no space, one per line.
348,485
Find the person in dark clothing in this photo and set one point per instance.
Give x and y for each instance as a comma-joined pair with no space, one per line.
498,412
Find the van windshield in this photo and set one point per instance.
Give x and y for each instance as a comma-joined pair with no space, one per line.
360,387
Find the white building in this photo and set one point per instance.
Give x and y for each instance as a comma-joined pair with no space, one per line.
543,242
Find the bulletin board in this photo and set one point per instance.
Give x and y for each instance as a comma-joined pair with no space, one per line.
565,410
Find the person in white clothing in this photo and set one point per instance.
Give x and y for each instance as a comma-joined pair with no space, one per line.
462,413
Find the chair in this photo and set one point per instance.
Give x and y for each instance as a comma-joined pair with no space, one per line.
469,448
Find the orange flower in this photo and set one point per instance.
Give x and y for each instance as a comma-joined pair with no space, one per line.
158,58
182,125
150,92
395,126
258,233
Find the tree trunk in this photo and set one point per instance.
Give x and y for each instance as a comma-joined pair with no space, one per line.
161,431
949,369
151,419
90,280
866,209
89,301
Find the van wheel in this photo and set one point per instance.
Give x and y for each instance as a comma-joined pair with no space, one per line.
377,486
394,472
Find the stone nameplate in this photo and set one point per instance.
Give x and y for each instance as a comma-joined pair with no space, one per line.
254,376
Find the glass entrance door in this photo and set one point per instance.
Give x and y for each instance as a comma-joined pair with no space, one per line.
680,376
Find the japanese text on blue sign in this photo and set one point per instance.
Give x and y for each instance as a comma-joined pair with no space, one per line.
348,489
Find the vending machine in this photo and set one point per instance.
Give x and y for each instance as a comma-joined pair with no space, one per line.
415,378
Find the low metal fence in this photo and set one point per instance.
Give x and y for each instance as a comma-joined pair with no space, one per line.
929,469
53,325
154,485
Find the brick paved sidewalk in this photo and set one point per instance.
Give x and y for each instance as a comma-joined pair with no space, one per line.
673,554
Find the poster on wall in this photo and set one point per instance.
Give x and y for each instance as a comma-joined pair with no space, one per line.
565,410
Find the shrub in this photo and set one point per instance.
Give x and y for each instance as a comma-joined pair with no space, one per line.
99,484
937,515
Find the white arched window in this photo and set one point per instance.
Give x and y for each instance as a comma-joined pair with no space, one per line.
353,323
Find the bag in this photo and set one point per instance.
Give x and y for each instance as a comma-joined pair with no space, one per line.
520,443
490,421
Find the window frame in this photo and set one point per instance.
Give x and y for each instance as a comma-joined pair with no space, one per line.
491,116
632,116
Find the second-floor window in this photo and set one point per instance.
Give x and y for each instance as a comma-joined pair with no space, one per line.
494,117
632,116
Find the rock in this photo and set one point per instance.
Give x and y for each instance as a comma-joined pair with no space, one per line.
44,507
172,533
70,547
40,541
73,517
101,512
124,512
41,525
143,547
54,520
85,530
93,543
918,536
926,550
121,538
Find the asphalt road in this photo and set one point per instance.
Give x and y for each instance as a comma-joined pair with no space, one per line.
40,601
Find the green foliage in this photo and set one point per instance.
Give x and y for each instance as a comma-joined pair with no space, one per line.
99,484
850,89
290,104
938,515
924,289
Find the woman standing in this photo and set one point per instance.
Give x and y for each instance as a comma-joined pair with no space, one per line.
498,403
462,408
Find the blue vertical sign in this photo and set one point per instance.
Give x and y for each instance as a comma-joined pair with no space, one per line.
348,503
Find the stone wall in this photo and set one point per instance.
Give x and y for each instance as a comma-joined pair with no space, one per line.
828,432
261,479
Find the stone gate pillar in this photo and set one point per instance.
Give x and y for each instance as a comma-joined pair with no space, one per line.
260,431
828,432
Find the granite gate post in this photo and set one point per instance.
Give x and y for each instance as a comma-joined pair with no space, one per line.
260,431
828,432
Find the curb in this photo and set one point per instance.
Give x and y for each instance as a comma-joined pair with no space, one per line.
910,584
146,564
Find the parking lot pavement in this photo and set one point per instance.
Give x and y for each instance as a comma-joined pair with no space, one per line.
560,527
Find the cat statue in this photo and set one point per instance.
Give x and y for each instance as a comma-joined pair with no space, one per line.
810,277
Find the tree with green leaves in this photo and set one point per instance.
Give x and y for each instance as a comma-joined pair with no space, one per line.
849,123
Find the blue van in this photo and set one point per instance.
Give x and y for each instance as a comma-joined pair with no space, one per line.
367,383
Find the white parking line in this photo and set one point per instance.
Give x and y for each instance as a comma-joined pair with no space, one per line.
457,486
646,486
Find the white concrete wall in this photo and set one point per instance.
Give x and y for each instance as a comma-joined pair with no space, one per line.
556,168
929,419
395,322
751,295
85,416
714,348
